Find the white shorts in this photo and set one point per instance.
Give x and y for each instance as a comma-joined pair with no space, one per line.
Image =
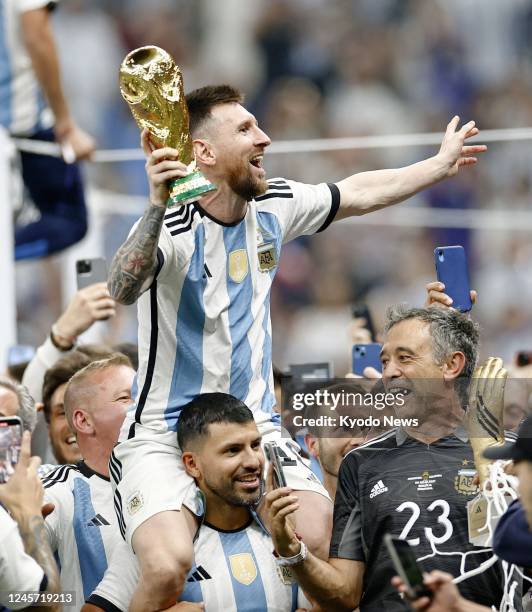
148,475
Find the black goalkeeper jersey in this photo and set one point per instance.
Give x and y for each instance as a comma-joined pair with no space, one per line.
414,491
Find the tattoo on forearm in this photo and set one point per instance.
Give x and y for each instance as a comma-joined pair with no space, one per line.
37,545
135,260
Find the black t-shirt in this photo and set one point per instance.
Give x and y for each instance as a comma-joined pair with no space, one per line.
398,485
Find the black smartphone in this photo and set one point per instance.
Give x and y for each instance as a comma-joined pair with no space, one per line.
451,270
311,371
272,454
90,271
406,566
361,311
10,440
523,358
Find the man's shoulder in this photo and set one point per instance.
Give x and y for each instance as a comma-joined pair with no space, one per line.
60,477
280,190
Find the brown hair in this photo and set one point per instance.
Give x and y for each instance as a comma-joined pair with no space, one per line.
201,101
63,370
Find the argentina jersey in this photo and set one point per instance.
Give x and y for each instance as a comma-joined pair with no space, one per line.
234,571
204,323
82,529
22,106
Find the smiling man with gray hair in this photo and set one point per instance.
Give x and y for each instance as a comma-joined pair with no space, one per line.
413,481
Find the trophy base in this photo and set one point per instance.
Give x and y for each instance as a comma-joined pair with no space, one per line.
188,189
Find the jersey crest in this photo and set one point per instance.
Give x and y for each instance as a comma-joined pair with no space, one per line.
243,568
238,265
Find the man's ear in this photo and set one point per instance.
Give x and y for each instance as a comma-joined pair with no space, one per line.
39,407
453,366
82,422
190,462
313,445
204,152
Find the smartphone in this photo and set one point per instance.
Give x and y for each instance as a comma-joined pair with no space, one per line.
272,454
451,270
406,566
523,358
361,311
311,371
90,271
10,440
366,355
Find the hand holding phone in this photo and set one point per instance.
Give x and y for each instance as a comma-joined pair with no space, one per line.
451,270
272,454
406,566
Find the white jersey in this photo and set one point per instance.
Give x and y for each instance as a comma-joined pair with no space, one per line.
204,324
83,528
18,571
23,110
234,571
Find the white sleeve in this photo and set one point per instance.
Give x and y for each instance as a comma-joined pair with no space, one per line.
52,522
300,208
45,357
18,571
119,582
30,5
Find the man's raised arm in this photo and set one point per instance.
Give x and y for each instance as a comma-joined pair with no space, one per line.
135,263
368,191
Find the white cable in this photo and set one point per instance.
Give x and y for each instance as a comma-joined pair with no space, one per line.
300,146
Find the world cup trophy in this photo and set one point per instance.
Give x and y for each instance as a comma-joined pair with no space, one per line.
152,85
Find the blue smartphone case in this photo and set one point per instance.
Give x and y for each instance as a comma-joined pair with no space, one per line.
366,355
451,270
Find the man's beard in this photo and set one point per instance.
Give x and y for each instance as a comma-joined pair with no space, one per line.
229,495
244,184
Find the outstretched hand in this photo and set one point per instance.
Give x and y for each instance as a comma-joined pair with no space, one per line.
453,151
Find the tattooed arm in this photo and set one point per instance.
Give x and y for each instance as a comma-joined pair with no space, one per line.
135,262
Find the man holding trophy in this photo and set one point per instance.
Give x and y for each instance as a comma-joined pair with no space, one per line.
201,262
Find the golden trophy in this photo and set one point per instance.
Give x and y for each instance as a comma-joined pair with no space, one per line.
152,85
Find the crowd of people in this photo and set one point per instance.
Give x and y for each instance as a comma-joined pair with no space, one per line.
168,473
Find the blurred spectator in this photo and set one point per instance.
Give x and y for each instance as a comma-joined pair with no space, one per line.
54,185
15,400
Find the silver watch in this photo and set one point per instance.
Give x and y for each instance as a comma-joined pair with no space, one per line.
300,557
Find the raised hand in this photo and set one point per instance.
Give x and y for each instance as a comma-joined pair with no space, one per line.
453,151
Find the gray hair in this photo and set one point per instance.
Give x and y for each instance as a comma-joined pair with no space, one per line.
26,404
450,331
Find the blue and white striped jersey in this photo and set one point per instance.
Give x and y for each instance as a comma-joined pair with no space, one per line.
204,324
23,110
234,571
83,528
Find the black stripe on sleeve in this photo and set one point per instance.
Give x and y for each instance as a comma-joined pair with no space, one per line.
151,356
44,583
160,262
104,604
335,205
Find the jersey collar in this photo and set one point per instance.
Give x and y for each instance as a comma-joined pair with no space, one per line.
460,432
88,472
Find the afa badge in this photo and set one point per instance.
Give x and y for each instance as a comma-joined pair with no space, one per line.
238,265
463,482
135,503
267,257
243,568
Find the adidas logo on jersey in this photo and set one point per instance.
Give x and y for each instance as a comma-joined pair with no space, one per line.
199,574
97,521
377,489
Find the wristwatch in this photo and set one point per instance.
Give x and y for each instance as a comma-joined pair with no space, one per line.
299,558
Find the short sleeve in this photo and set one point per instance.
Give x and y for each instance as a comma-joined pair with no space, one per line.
18,571
53,521
116,588
346,541
301,209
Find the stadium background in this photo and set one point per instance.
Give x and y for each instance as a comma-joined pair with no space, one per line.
319,69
